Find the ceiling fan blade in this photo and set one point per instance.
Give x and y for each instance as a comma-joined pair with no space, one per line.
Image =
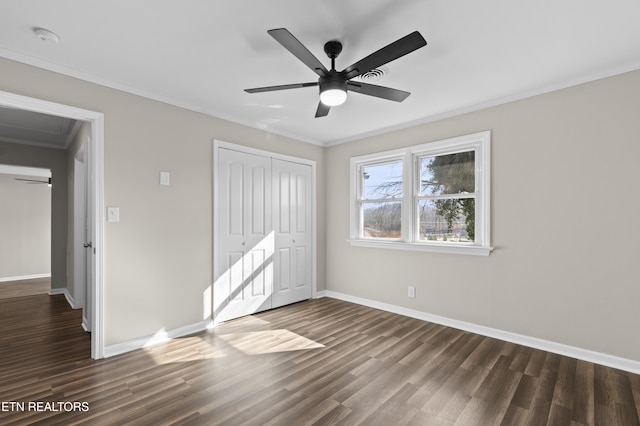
393,51
293,45
281,87
32,180
322,110
378,91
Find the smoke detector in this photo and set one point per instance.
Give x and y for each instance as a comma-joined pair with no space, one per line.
375,74
46,35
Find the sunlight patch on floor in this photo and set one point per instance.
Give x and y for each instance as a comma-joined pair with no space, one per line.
197,348
185,349
268,341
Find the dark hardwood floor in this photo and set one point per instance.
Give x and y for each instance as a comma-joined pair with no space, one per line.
320,362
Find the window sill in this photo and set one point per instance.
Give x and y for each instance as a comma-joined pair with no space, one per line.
433,248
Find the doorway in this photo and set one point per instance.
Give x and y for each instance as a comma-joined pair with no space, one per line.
95,200
25,227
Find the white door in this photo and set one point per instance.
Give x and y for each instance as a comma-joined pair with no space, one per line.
292,225
90,233
80,231
244,270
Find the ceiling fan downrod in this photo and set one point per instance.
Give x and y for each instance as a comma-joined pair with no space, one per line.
332,49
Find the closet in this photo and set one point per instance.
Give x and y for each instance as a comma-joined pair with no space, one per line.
263,232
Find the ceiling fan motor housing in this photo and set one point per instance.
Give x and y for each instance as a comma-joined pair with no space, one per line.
333,81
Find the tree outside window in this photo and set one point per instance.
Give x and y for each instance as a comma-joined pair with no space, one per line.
446,205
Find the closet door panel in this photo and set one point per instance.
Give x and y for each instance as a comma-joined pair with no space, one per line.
293,235
244,277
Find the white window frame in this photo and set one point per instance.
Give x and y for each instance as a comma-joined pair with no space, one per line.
478,142
391,158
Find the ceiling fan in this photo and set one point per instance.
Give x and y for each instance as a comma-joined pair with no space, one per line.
33,181
335,84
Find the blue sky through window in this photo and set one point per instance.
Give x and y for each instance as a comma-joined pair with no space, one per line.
382,181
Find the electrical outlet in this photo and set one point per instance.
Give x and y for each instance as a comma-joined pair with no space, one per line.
411,292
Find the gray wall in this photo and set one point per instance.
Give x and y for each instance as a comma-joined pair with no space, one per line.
55,160
564,223
25,227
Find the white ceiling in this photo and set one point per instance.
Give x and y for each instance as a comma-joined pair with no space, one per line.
202,54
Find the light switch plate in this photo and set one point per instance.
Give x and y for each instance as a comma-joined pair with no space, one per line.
164,178
113,214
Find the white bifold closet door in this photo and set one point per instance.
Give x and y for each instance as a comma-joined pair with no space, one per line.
264,234
292,226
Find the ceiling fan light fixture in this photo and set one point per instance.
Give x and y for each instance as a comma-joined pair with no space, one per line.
333,97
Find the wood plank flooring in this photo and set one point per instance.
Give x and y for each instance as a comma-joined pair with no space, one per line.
324,362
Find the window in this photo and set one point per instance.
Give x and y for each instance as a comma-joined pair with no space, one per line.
446,201
381,200
430,197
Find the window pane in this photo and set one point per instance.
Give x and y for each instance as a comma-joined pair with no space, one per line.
382,181
447,220
448,174
381,220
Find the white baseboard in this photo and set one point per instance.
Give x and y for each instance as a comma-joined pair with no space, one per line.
533,342
25,277
55,291
157,338
66,293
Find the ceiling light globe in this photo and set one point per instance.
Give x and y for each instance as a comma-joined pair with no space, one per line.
333,97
